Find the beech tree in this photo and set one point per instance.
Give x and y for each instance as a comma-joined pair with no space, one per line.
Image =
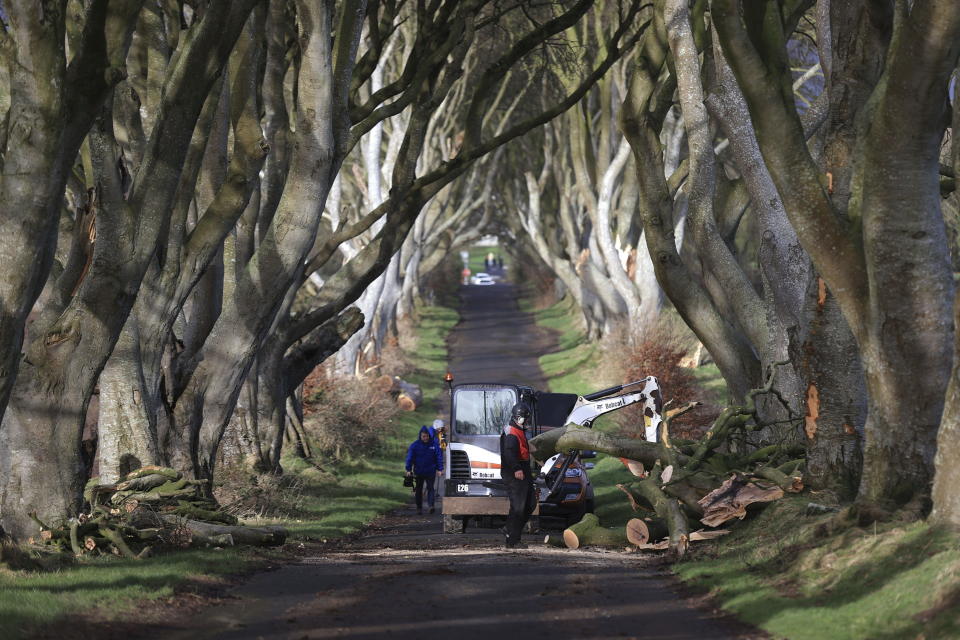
881,247
48,102
946,502
40,463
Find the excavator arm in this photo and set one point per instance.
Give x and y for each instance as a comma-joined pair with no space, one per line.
589,407
593,405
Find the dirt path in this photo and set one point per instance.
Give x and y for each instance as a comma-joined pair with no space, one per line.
404,578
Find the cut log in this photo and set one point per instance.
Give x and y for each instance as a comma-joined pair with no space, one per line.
641,532
666,474
157,495
117,540
554,541
575,437
216,540
151,469
406,403
147,535
192,512
93,491
258,536
143,483
545,444
635,467
386,383
731,499
410,396
589,532
668,509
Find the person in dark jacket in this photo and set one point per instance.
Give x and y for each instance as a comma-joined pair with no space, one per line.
515,471
425,462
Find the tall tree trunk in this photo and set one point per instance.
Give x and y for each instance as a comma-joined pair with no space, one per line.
127,428
834,400
946,495
323,83
824,380
642,119
185,299
52,105
885,257
62,366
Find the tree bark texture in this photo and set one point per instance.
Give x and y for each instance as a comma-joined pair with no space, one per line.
52,105
642,118
885,255
60,370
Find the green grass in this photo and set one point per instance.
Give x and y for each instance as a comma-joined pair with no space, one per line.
28,601
573,367
795,577
337,502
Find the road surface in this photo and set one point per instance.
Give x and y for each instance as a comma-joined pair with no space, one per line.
406,579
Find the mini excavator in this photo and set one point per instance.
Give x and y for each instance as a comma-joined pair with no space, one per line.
473,489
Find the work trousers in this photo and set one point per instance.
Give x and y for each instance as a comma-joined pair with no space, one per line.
520,493
430,482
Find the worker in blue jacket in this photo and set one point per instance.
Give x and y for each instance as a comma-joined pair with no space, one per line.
425,462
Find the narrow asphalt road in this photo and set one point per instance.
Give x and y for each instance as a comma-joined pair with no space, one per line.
494,341
405,578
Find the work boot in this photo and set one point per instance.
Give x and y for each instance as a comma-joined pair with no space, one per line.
432,509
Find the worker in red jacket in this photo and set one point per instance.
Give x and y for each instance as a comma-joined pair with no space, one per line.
515,471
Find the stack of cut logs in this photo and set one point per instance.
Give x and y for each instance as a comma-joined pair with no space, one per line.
408,395
682,486
639,532
152,507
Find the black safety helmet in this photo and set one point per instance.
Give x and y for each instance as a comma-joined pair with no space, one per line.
520,410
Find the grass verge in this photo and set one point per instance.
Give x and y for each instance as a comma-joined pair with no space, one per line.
810,577
338,500
573,367
29,601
